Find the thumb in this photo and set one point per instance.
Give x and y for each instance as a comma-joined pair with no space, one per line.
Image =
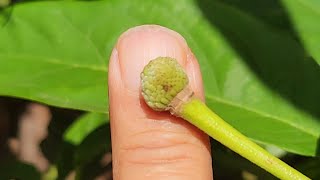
148,144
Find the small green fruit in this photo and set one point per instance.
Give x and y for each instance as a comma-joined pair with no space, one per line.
162,79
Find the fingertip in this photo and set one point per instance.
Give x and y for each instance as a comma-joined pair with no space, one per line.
144,140
137,46
114,74
194,75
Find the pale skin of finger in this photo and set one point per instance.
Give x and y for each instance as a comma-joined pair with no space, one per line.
148,144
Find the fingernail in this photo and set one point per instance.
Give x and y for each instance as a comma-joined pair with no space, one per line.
139,45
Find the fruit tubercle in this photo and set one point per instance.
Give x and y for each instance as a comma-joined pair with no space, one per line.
198,114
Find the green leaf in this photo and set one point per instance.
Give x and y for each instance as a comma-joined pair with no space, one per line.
14,169
305,16
270,11
54,146
93,169
89,154
52,173
256,76
310,167
64,163
264,85
83,126
229,165
95,144
56,58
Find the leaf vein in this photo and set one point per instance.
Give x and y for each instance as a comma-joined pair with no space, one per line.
57,62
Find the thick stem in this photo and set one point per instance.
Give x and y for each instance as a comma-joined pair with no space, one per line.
198,114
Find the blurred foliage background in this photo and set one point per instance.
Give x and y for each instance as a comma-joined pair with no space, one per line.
259,59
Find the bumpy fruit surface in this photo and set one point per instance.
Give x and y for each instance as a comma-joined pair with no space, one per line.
162,79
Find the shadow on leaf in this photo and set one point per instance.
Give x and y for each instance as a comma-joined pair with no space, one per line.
270,48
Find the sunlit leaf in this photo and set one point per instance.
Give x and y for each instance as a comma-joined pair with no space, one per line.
305,16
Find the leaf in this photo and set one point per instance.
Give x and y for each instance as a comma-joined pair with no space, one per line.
310,167
13,169
229,165
64,164
96,143
270,11
51,173
83,126
256,76
89,157
305,16
94,169
265,86
53,146
49,58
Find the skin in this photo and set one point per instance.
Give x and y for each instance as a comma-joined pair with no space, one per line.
163,81
148,144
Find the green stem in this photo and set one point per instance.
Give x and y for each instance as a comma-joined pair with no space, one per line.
198,114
